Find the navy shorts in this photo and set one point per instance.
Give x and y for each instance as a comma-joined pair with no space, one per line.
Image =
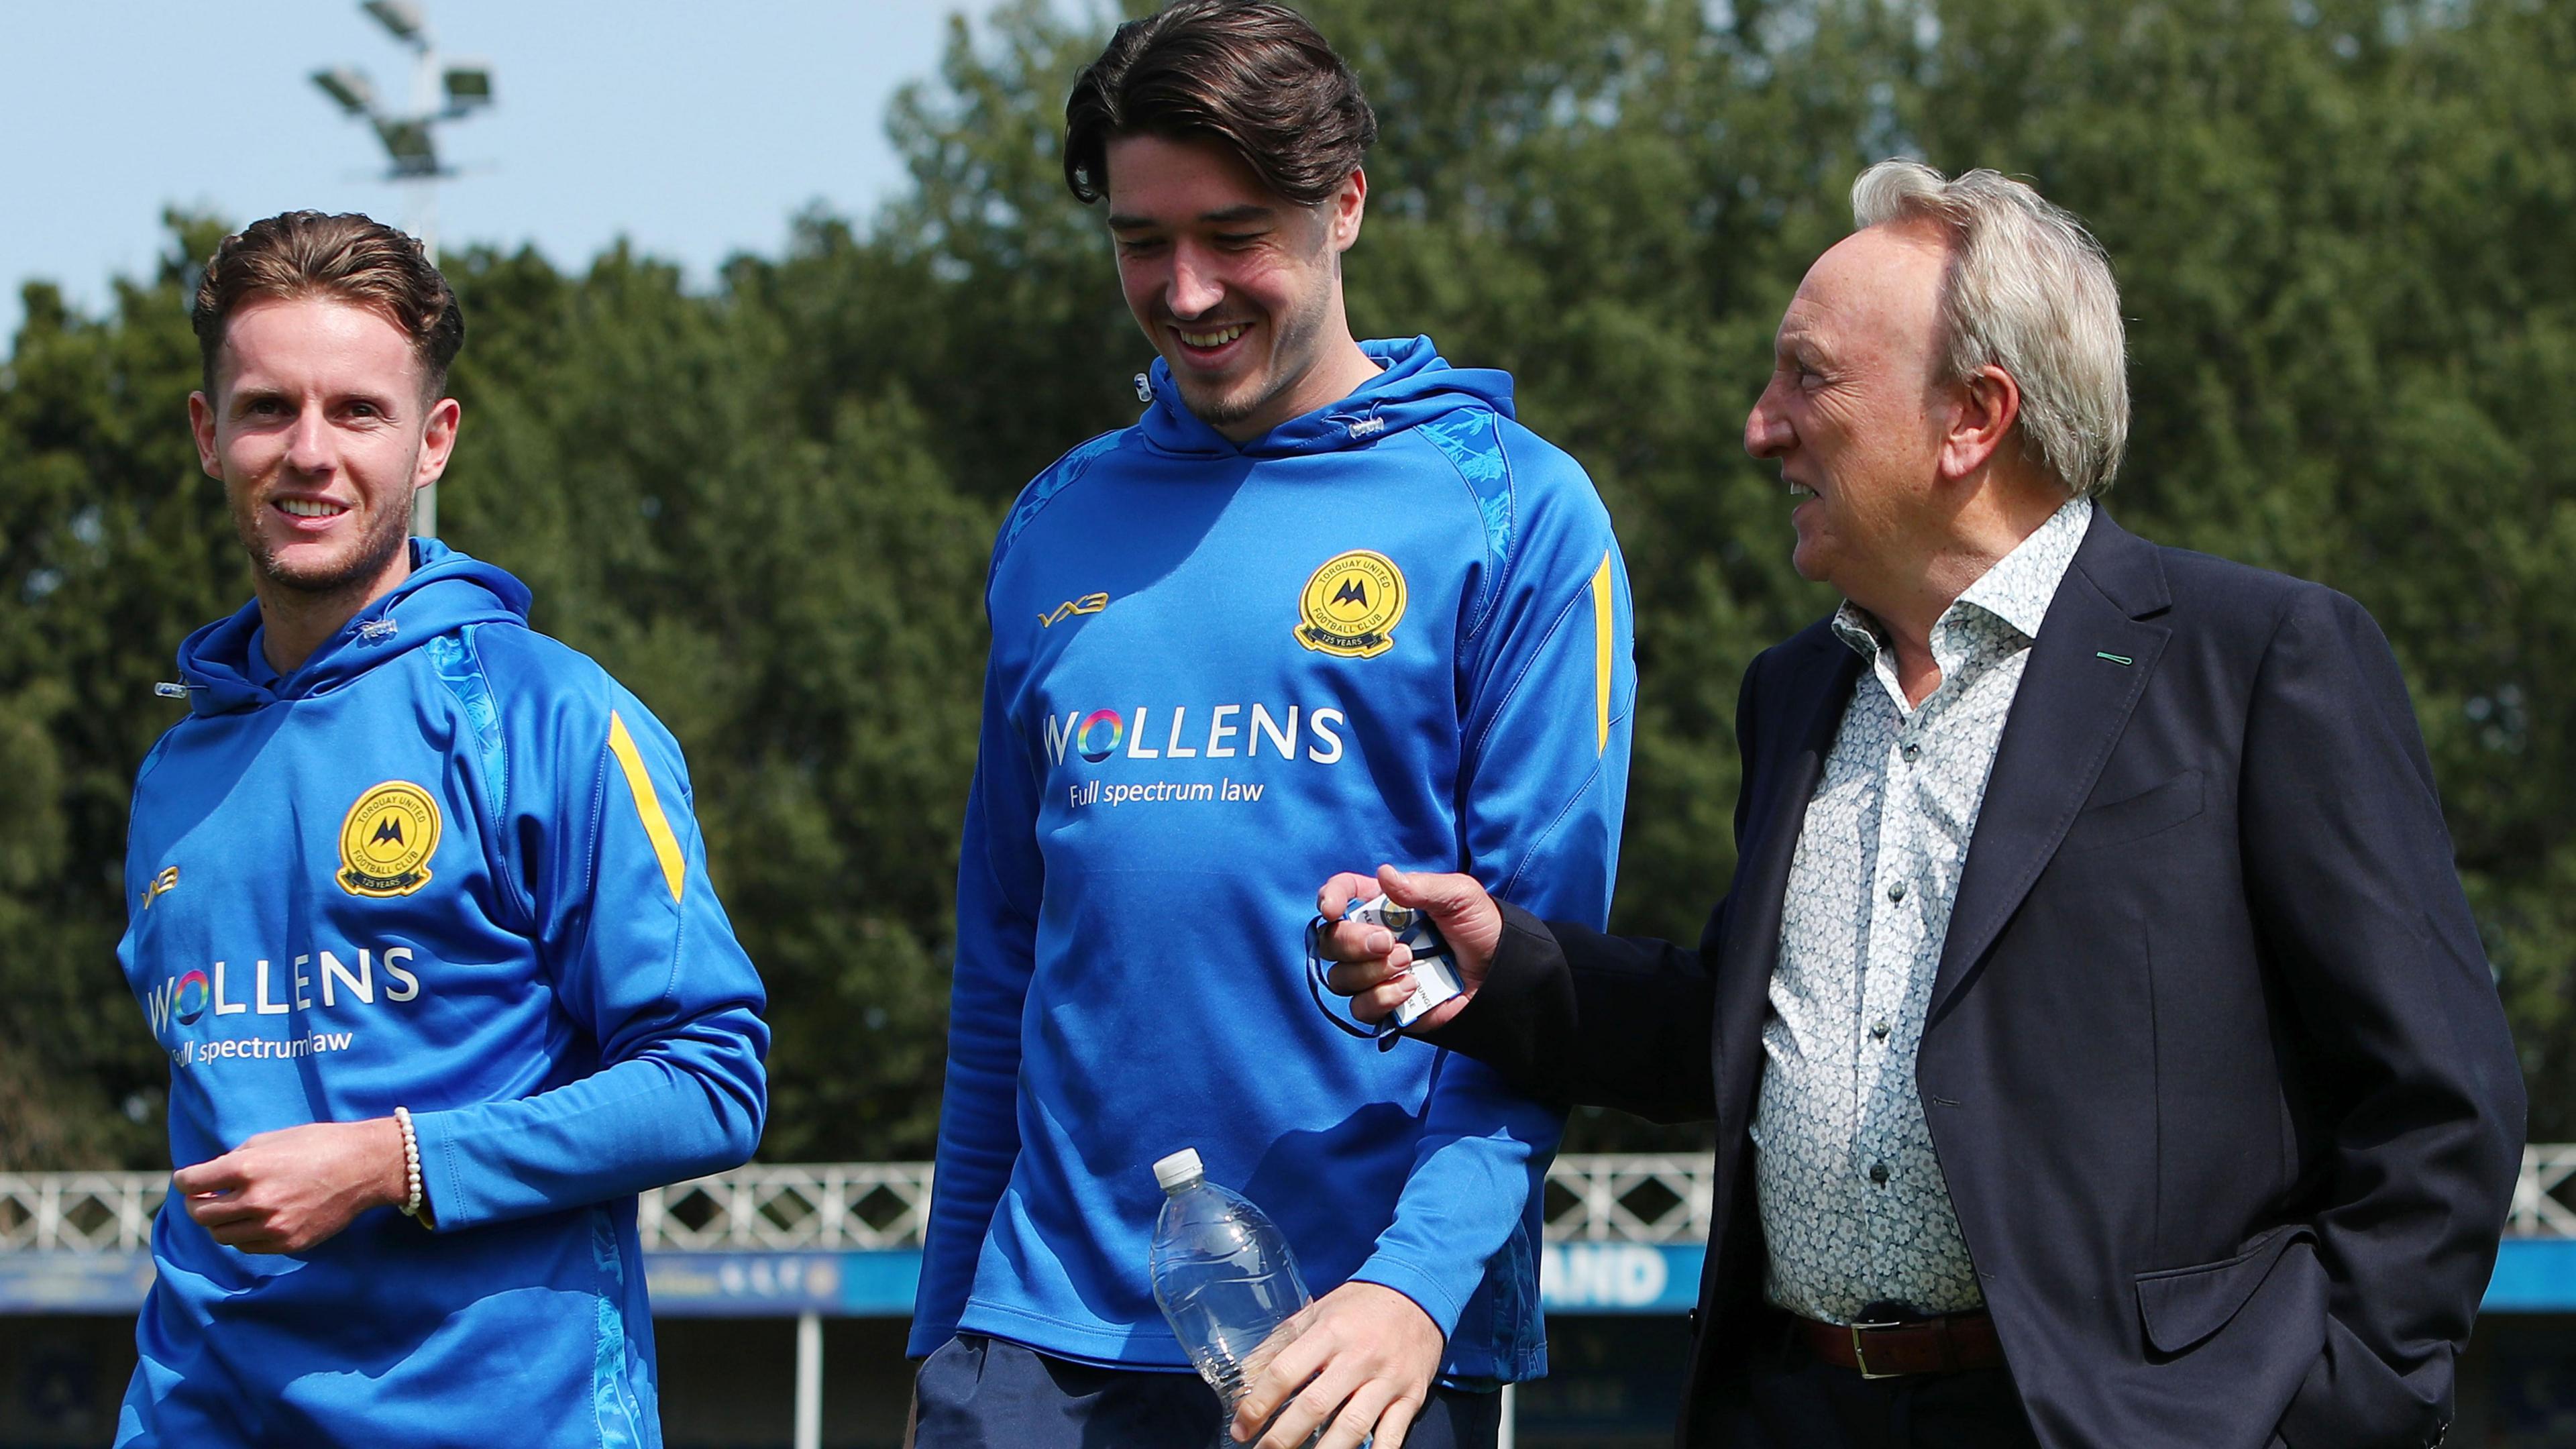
990,1393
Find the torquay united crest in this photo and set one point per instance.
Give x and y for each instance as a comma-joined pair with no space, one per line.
1351,605
386,842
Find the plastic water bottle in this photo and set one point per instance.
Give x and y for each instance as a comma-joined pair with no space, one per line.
1224,1277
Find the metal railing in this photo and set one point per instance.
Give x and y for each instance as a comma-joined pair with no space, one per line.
792,1206
1609,1197
2544,1197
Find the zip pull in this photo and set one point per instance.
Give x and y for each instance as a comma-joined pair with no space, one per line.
1144,388
171,689
377,631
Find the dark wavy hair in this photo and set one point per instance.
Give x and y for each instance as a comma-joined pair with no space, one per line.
1250,74
348,258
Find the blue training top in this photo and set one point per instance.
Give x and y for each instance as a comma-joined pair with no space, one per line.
1395,629
445,864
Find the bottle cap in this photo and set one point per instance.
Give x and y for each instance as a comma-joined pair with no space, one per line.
1181,1169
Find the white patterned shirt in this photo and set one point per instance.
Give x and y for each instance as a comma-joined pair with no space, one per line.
1854,1209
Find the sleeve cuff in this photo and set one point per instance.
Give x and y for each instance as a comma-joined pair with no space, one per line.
444,1201
2352,1400
1525,993
1427,1292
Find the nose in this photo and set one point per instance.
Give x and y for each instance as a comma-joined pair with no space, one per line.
1766,429
308,442
1195,288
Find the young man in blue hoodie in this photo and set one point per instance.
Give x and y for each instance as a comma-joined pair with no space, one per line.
421,916
1325,592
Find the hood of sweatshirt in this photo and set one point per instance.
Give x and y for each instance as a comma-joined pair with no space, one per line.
1416,387
445,592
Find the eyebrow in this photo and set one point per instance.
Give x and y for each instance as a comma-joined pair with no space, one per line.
1224,216
243,397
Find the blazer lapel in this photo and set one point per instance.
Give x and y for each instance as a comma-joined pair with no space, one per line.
1805,721
2087,670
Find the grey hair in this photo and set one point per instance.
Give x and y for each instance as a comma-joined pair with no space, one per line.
2028,290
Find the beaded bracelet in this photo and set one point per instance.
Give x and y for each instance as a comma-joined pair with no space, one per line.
411,1161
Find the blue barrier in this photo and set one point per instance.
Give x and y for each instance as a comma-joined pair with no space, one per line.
2532,1275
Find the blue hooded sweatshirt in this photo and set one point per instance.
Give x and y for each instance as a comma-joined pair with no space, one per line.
1394,629
445,864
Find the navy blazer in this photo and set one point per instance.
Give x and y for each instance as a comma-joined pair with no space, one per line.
2214,1061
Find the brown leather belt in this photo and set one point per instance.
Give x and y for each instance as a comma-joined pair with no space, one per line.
1926,1346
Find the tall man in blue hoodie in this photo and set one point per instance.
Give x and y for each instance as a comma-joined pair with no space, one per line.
1324,592
421,916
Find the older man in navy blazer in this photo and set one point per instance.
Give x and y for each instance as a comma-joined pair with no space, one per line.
2100,1044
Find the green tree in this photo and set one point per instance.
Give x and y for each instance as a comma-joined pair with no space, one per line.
791,584
2338,228
113,545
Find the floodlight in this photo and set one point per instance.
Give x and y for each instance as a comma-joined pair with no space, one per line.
410,139
402,17
469,84
408,142
349,87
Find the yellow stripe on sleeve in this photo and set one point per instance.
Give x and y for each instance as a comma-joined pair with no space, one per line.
1601,654
657,826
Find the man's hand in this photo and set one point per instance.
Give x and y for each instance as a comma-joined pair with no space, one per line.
1375,971
294,1189
1364,1360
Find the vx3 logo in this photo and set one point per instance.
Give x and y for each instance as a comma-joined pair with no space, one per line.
1087,604
162,884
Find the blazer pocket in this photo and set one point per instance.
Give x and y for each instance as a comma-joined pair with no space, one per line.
2158,807
2181,1307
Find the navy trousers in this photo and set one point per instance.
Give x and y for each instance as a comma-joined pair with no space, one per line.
990,1393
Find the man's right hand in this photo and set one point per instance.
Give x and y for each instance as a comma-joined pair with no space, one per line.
293,1189
1375,971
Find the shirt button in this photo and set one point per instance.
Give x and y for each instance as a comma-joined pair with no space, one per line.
1910,752
1896,892
1878,1029
1878,1173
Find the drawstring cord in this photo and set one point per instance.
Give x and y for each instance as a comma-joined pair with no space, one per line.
1387,1033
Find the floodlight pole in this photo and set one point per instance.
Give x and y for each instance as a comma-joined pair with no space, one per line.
420,208
809,1381
410,143
420,188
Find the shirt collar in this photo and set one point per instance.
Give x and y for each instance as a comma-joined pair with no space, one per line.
2017,590
2019,587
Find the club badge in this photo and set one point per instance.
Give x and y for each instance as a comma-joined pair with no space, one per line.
386,842
1351,605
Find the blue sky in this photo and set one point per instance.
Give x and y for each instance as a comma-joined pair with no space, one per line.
695,129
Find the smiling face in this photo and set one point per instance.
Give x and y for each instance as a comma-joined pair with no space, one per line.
1238,288
321,431
1853,416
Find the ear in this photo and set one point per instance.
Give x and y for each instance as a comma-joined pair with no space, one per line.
437,441
1980,415
1342,213
201,425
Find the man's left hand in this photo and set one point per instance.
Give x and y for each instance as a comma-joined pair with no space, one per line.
294,1189
1365,1362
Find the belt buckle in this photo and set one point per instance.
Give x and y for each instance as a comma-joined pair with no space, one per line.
1860,1352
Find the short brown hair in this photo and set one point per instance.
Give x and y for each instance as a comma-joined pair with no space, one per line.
350,258
1252,75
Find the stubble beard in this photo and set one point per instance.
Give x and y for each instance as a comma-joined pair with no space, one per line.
1291,359
1220,411
386,536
